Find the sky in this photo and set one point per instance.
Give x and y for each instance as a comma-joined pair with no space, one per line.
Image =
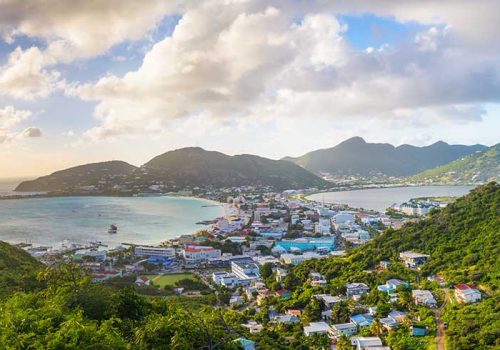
93,80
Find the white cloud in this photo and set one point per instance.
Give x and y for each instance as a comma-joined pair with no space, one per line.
9,118
24,75
72,30
237,59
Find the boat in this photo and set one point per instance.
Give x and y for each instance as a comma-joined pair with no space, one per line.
113,229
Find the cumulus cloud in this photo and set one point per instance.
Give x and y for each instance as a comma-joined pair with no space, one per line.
232,61
9,118
71,30
237,59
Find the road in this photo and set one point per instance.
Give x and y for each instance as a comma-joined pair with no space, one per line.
440,332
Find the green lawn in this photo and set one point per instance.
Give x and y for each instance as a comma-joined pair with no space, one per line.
163,280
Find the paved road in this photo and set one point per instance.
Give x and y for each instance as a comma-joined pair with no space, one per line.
440,333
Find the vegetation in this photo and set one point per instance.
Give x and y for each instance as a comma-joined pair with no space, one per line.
76,177
478,167
171,279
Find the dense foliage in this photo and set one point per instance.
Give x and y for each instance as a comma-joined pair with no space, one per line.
477,167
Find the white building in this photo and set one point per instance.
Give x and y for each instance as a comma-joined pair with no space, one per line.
154,251
316,328
423,297
467,294
245,270
200,253
368,343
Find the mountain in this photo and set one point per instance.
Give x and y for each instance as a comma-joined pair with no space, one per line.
357,157
479,167
195,166
79,177
186,167
17,269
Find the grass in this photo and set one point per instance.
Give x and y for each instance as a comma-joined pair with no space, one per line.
163,280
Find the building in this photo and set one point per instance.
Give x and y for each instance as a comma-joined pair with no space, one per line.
329,300
413,260
246,271
154,251
423,297
200,253
356,289
316,328
347,329
465,293
143,281
317,279
361,320
392,285
368,343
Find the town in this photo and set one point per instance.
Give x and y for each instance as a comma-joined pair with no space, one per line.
248,260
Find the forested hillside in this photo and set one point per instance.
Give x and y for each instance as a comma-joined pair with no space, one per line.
18,269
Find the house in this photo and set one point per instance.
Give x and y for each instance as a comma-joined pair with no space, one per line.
465,293
253,326
356,289
399,316
280,274
246,344
286,319
143,281
389,323
361,320
236,300
413,260
317,279
294,312
347,329
423,297
316,328
283,293
385,264
328,299
368,343
392,285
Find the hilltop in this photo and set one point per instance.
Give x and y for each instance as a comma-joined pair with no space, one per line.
183,168
79,177
357,157
480,167
195,166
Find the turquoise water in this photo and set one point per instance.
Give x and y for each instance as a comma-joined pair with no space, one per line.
142,220
381,198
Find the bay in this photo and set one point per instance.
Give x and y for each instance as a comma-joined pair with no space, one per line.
381,198
140,220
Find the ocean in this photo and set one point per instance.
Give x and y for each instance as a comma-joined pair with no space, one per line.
141,220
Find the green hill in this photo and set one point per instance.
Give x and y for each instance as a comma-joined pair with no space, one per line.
101,175
195,166
17,269
480,167
355,156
